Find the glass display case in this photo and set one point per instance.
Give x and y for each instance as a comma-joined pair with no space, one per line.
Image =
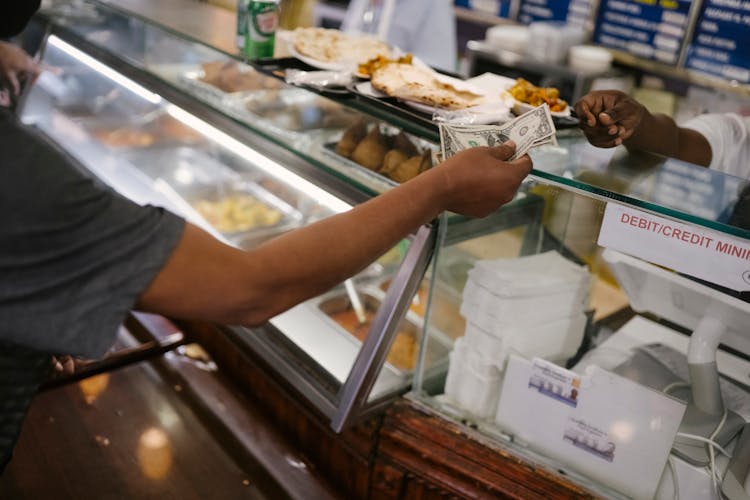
247,158
549,282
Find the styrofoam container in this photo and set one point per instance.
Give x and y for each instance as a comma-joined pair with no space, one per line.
559,339
510,37
589,59
527,310
550,40
472,382
491,348
543,273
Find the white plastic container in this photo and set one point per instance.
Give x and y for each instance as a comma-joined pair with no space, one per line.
549,41
472,383
524,310
532,275
589,59
555,340
490,347
513,38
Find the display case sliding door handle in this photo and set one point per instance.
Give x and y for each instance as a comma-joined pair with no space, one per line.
119,359
377,344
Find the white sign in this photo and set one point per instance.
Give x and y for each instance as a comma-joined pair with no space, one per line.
605,426
709,255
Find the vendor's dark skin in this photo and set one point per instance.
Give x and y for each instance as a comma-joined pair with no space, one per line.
610,118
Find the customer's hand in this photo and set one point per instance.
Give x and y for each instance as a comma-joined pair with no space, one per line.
16,66
609,117
63,365
479,180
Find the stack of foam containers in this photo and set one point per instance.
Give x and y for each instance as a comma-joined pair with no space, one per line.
531,306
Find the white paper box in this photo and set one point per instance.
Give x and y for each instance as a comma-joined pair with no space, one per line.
544,273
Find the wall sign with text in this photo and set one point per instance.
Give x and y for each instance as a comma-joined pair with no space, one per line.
721,41
574,12
651,29
499,8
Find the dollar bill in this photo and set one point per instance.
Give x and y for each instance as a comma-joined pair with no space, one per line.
531,129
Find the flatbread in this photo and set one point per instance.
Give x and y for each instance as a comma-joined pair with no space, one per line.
414,83
331,46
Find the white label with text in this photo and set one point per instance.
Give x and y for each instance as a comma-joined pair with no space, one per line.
703,253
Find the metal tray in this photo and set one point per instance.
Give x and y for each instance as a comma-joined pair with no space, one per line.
190,77
329,149
445,319
152,130
290,112
411,327
194,175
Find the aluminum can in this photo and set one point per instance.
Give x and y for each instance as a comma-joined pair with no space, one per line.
262,21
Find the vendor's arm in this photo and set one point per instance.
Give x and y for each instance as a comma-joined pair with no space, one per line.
204,278
610,118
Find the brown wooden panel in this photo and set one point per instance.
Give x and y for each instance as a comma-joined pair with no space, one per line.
438,452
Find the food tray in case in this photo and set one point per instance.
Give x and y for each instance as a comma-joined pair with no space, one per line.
337,312
207,184
237,79
154,129
357,170
290,112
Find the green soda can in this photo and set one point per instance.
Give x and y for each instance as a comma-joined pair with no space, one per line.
262,20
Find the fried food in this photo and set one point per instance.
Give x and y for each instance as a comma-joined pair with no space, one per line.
175,129
412,167
392,160
526,92
404,144
371,150
125,137
237,212
230,76
367,68
352,136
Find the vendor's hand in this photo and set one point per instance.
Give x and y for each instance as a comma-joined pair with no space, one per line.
609,117
480,180
16,66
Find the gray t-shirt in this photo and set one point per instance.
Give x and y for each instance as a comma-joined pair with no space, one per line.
74,254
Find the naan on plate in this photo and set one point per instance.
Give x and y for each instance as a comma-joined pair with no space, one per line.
413,83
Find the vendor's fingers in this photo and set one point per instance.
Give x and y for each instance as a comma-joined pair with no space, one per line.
584,113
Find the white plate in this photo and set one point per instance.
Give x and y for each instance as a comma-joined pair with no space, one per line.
424,108
497,84
331,66
366,88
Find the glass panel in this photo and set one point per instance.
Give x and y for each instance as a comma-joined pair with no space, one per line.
565,299
155,152
685,192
